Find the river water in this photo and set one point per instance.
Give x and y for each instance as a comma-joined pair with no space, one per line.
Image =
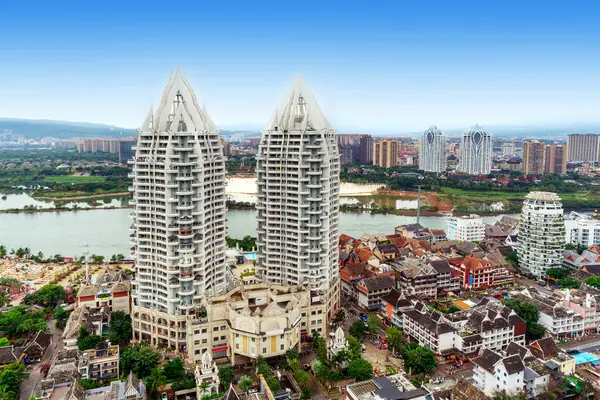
107,231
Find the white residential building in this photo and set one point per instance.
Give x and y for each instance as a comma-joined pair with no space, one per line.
475,152
582,229
179,227
541,233
493,373
508,149
298,180
432,151
468,228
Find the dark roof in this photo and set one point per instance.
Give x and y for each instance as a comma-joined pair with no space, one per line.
487,360
441,266
357,268
515,348
41,341
392,297
547,346
465,390
412,227
593,269
230,394
472,339
427,323
513,364
10,354
379,282
388,248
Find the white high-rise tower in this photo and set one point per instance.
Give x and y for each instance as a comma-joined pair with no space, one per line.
179,225
541,234
432,151
298,181
475,152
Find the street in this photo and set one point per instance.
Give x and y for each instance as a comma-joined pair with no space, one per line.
30,385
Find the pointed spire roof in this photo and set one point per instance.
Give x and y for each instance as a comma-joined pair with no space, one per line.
299,111
230,394
179,109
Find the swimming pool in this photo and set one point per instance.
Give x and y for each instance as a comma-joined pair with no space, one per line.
250,256
583,358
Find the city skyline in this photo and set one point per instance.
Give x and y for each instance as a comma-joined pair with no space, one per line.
453,66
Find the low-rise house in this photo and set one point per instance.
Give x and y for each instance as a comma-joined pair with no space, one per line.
95,320
584,301
382,388
463,390
350,276
493,373
475,273
101,363
429,329
493,232
63,371
35,348
417,278
556,360
386,252
10,354
370,291
588,259
393,306
554,317
107,289
445,281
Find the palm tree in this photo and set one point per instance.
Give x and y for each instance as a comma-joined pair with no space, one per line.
40,256
294,364
2,251
4,298
155,380
204,386
6,393
245,382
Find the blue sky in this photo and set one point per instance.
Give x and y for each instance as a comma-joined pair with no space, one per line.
374,66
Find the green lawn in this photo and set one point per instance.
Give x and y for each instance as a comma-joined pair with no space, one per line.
74,179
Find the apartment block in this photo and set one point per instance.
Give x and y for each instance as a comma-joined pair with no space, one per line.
583,147
493,373
556,159
534,152
385,153
101,363
468,228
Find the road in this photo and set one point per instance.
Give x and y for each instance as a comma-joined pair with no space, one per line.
31,385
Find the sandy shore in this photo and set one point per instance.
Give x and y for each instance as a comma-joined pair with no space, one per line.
247,186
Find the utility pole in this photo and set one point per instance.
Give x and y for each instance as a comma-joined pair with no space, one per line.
86,254
418,203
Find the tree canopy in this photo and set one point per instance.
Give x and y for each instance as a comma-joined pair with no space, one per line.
593,281
357,329
139,358
418,359
85,341
530,314
557,273
120,327
47,296
11,377
568,283
360,369
20,321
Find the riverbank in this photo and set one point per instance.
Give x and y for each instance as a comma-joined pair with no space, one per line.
57,209
78,198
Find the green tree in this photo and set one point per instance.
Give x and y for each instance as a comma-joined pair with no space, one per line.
245,382
226,377
354,347
568,283
88,384
4,342
139,358
394,337
120,327
357,329
593,281
204,387
360,369
513,259
2,251
11,377
303,378
96,259
322,372
338,318
47,296
322,351
291,354
374,323
154,380
294,364
85,341
529,313
419,360
174,370
273,384
4,298
557,273
61,316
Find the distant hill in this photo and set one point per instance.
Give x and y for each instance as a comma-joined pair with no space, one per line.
36,129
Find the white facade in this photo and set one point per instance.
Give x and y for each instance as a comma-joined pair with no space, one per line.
502,376
179,228
298,182
541,233
583,147
509,149
582,229
475,152
468,228
432,151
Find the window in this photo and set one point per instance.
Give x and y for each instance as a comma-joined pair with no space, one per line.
196,351
204,330
223,327
204,341
216,328
264,350
282,347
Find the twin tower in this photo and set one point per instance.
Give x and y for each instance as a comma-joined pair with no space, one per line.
179,217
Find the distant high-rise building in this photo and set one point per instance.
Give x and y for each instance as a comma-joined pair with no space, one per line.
541,234
385,153
508,149
179,225
298,167
556,159
475,152
583,147
366,150
347,154
432,150
126,150
534,152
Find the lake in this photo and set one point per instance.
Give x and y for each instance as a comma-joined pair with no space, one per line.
107,231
